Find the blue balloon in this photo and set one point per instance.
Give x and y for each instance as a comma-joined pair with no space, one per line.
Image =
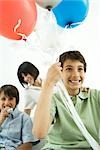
70,13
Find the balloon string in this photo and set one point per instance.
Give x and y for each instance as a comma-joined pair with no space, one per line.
72,24
23,36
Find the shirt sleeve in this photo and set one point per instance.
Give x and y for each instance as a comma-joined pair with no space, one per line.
27,125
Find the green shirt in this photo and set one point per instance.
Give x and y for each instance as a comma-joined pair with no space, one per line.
64,133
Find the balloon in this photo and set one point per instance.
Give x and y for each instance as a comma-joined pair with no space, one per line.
17,18
48,4
70,13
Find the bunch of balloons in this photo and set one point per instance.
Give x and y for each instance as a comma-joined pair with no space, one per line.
18,17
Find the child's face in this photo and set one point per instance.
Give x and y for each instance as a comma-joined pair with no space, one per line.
6,101
73,75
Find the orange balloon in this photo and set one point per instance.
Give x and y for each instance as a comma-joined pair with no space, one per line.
17,18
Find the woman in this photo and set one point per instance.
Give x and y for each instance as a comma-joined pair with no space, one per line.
28,76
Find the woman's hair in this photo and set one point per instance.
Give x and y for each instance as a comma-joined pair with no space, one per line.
10,91
73,55
27,68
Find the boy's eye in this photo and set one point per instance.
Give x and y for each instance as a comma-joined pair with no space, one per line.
69,69
80,69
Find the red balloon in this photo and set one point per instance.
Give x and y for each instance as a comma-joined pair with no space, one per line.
17,18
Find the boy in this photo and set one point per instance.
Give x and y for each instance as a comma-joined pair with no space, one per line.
15,126
53,120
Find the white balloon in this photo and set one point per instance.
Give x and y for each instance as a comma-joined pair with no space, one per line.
48,3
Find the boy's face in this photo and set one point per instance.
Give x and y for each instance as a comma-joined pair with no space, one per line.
73,75
6,101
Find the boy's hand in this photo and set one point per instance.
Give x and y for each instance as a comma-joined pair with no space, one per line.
4,114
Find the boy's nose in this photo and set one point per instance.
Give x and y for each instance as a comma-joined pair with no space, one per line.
75,73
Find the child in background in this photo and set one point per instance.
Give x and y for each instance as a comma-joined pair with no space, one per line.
15,126
28,76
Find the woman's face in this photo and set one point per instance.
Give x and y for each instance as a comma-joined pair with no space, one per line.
28,79
73,75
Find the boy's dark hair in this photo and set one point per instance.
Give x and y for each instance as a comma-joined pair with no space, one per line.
10,91
73,55
27,68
